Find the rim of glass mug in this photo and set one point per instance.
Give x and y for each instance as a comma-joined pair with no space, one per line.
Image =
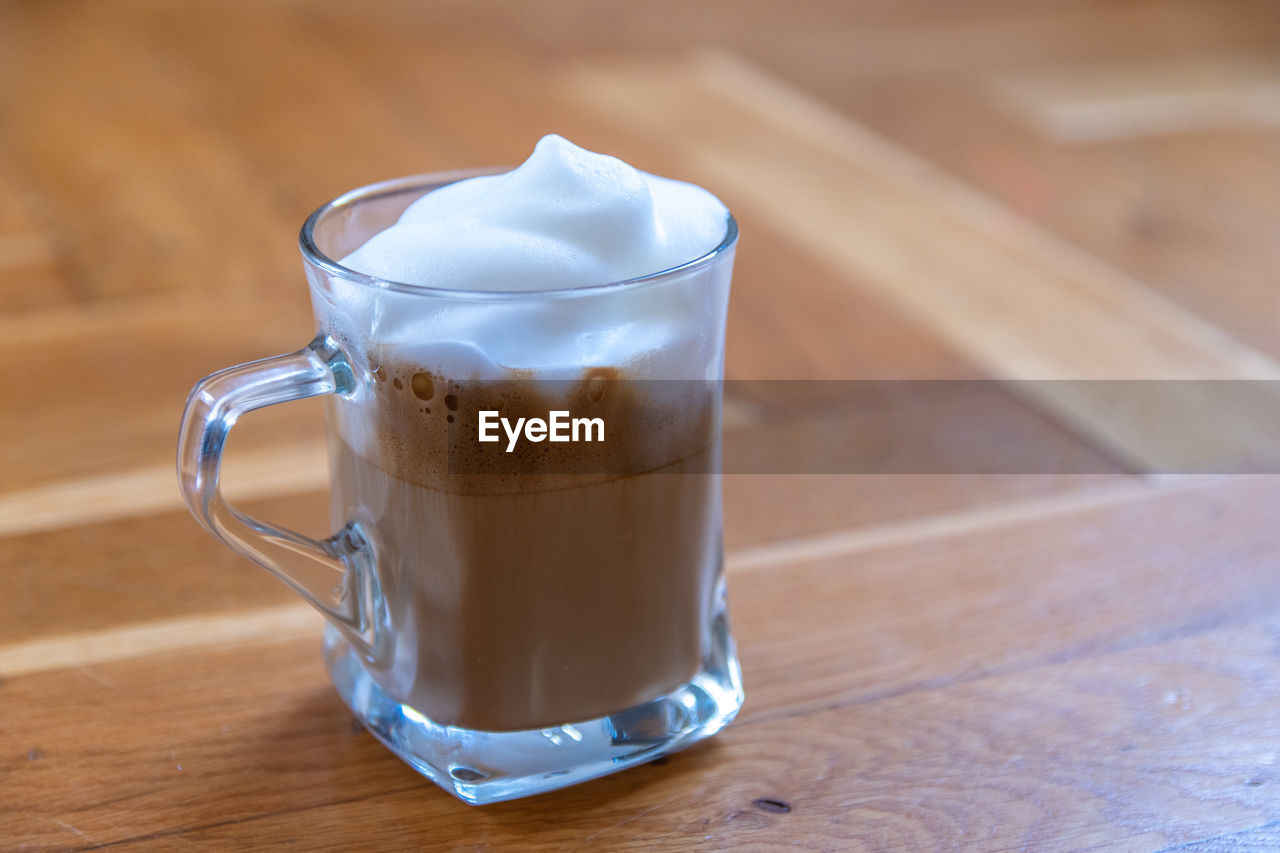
431,181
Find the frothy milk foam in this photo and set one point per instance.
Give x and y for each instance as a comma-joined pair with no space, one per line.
520,605
566,218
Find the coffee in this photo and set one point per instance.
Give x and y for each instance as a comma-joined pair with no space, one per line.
557,582
533,598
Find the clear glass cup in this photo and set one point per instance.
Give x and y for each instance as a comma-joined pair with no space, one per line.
503,634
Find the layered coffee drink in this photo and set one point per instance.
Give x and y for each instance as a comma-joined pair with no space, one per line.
527,582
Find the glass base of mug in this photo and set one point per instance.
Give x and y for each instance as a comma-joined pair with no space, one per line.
487,767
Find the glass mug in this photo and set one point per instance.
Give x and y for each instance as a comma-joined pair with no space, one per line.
512,634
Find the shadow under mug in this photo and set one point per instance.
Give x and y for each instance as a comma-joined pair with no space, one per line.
503,642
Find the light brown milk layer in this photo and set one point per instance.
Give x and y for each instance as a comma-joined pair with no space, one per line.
523,592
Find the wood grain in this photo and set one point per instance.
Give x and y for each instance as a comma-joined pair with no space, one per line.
115,574
1122,102
87,648
128,378
1180,212
902,727
979,747
927,191
288,469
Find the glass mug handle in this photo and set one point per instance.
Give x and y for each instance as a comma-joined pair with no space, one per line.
336,575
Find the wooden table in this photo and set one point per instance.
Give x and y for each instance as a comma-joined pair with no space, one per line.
1009,189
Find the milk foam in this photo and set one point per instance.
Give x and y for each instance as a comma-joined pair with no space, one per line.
566,218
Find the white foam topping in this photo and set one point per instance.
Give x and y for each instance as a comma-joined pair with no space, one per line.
566,218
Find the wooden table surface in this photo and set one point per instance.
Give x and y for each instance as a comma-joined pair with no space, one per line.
989,189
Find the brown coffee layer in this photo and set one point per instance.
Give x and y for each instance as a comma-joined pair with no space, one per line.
532,609
556,583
